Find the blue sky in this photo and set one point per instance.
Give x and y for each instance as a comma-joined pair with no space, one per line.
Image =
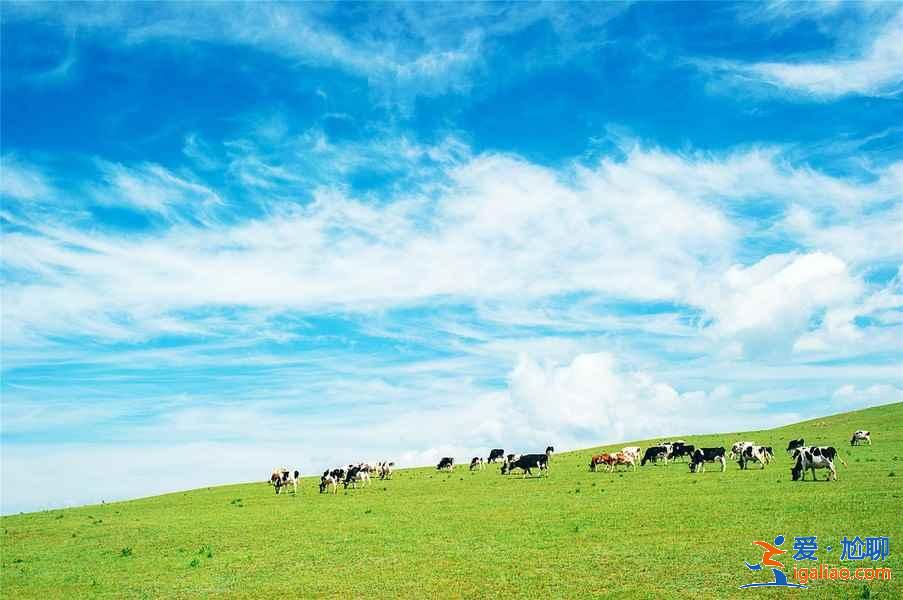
242,235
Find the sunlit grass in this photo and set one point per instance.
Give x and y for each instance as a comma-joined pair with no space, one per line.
658,533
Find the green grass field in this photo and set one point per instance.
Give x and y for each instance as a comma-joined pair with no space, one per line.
658,533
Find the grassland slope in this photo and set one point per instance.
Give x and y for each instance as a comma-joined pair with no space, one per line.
657,533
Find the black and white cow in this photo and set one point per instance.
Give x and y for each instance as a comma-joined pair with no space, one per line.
447,463
476,463
328,480
495,455
759,454
794,444
357,474
859,437
701,456
282,478
339,474
528,462
738,448
655,454
814,457
385,469
680,450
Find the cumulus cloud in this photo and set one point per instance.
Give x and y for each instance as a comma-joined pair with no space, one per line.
772,301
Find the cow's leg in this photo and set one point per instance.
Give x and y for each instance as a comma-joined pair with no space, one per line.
723,464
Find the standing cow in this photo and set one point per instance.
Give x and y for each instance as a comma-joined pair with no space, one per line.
357,474
527,463
859,437
701,456
814,457
282,478
794,444
496,455
327,481
655,454
760,454
446,464
738,448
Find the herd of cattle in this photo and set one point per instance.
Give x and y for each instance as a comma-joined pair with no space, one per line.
805,458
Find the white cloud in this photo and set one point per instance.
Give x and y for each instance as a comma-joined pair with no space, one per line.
402,50
495,229
873,69
771,302
153,188
497,224
22,181
850,397
588,399
861,237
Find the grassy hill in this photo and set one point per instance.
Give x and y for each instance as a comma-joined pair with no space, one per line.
658,533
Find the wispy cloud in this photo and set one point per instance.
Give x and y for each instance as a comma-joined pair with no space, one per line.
153,188
21,181
870,64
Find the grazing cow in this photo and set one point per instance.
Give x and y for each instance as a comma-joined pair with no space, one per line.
385,469
634,450
655,454
622,458
527,463
495,455
814,457
339,474
476,463
328,480
859,437
359,473
447,463
701,456
679,450
282,478
738,447
759,454
596,460
794,444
